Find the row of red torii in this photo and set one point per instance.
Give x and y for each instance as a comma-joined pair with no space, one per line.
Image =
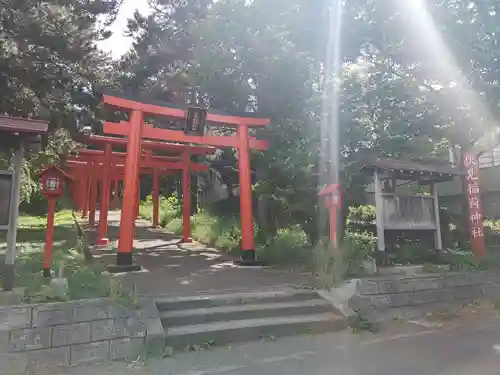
107,167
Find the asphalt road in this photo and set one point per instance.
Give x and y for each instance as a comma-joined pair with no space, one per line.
456,350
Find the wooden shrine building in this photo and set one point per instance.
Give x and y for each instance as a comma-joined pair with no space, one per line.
18,137
406,197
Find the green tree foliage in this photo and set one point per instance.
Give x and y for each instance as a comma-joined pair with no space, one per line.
414,77
49,69
156,67
49,62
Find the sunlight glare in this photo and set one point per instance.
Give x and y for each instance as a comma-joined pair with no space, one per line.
438,58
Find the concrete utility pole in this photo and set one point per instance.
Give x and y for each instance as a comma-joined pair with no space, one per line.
329,168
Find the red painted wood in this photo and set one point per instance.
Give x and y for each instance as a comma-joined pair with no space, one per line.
179,136
156,198
186,199
137,200
135,130
247,242
333,226
116,193
102,231
132,168
333,201
143,107
153,145
85,198
93,198
227,120
120,163
147,156
475,205
49,233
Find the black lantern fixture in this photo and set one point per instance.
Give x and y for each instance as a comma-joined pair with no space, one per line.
195,121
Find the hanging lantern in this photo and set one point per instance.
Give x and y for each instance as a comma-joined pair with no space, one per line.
53,181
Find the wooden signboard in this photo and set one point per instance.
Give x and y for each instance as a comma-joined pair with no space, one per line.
5,195
475,205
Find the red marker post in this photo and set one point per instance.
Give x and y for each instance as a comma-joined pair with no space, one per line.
333,201
474,204
52,187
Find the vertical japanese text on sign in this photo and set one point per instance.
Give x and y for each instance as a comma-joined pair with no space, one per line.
474,204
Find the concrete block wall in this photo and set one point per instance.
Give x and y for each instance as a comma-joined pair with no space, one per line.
414,296
52,335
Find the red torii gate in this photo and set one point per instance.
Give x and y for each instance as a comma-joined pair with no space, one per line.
148,146
84,196
136,130
109,162
149,158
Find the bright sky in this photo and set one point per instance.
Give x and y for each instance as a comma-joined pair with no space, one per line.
118,44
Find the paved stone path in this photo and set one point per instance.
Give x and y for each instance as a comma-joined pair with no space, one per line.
188,269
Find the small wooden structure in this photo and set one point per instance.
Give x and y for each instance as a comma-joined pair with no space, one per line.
18,136
400,211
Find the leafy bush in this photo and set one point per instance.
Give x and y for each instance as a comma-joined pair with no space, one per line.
145,211
359,323
168,207
324,265
84,280
228,242
361,219
357,247
492,233
175,226
289,246
414,251
408,253
223,233
466,261
332,266
206,227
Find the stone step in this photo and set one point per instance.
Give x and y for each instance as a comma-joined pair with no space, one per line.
245,311
221,333
206,301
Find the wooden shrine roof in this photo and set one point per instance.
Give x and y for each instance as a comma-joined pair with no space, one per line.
13,129
22,125
414,169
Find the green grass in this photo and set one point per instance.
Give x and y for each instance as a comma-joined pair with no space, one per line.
64,217
168,209
31,232
288,247
175,226
85,280
223,233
